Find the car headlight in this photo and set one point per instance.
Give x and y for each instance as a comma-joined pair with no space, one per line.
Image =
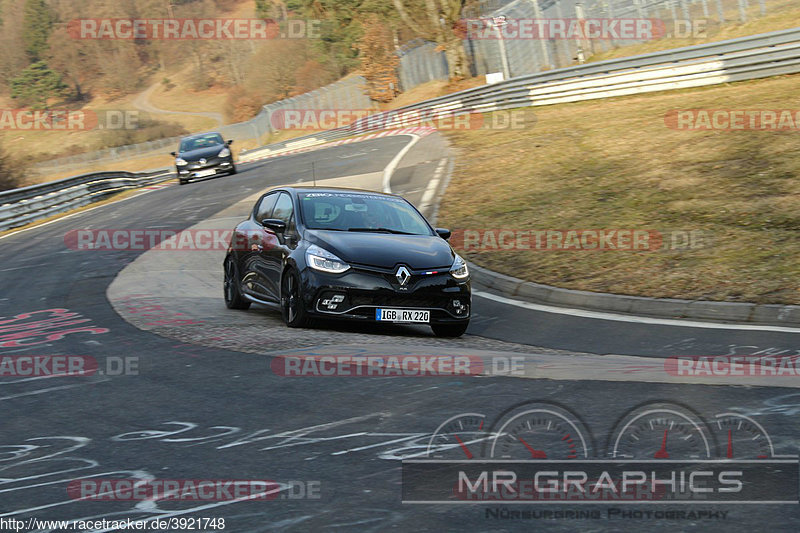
321,259
459,269
181,162
225,152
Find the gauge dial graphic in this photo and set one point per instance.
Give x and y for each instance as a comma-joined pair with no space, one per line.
460,437
661,432
542,432
741,437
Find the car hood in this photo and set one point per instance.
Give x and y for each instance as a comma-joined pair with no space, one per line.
385,250
201,153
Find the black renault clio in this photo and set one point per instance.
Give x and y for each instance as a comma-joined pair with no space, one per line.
347,254
203,155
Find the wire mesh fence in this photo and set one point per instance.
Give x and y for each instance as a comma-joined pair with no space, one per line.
502,47
495,43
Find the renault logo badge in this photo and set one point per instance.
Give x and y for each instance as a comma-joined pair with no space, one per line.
403,275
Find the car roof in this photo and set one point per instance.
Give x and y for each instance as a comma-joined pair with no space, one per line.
196,135
335,190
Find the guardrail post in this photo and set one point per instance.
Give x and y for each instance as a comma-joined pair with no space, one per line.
742,11
763,4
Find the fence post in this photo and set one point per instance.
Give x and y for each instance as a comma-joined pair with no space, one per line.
543,44
584,43
685,10
721,12
742,11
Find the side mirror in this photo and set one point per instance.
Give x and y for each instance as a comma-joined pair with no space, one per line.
174,154
230,142
444,233
274,224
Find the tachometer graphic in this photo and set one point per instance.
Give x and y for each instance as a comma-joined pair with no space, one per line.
459,437
661,431
741,437
540,431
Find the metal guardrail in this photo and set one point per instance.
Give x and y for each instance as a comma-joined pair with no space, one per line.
28,204
746,58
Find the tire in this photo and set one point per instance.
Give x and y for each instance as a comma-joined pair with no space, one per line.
233,297
450,330
182,182
232,171
292,309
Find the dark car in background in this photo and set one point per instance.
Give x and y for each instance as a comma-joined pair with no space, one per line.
203,155
347,254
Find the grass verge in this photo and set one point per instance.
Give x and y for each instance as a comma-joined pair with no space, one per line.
615,164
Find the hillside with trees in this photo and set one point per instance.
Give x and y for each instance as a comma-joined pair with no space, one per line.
44,66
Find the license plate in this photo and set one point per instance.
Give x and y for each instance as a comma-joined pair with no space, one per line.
402,315
204,173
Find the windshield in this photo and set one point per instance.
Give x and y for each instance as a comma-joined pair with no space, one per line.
361,212
204,141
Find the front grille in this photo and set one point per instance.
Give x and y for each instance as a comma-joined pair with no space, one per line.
398,300
193,165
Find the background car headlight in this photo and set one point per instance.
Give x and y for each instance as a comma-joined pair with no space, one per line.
225,152
321,259
181,162
459,269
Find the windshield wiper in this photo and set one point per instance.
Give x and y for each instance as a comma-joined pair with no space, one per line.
381,230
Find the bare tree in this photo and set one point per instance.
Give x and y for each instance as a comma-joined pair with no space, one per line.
438,21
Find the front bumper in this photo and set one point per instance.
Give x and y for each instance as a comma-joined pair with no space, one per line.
220,165
357,293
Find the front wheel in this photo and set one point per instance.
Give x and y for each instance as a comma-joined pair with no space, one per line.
233,297
232,171
294,313
449,330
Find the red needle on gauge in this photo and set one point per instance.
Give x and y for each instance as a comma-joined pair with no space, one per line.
535,454
463,446
730,445
662,453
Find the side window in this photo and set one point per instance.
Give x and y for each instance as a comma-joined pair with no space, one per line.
284,211
264,209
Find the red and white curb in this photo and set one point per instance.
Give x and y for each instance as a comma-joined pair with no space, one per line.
419,131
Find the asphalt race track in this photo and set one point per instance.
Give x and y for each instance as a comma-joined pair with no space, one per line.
200,398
